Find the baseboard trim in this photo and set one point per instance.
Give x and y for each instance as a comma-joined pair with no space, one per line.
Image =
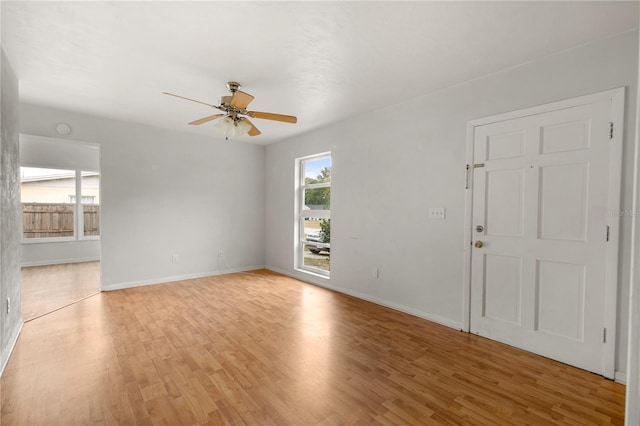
310,278
619,377
326,283
165,280
59,261
7,355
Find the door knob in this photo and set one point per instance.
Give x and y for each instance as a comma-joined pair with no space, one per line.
479,244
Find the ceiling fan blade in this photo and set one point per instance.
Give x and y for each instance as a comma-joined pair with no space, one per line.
254,130
240,100
206,119
272,116
189,99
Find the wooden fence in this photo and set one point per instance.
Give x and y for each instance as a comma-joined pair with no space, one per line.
91,219
49,220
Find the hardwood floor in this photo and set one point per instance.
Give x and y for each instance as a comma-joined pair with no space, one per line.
264,349
47,288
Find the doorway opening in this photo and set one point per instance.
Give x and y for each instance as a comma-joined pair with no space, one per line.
60,197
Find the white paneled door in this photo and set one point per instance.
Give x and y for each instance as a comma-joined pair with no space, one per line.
540,230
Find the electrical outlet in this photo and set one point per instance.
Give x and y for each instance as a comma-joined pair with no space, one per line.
375,273
436,212
175,258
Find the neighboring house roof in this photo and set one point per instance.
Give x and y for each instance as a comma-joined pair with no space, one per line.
54,176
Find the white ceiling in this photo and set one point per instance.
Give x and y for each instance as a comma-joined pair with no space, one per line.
321,61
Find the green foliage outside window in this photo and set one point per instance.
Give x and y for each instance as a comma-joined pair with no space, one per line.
319,196
325,231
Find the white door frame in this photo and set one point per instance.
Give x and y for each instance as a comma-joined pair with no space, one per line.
617,97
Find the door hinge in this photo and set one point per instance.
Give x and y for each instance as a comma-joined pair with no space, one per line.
611,130
604,335
607,232
466,178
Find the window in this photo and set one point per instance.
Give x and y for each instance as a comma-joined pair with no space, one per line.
90,200
314,214
49,204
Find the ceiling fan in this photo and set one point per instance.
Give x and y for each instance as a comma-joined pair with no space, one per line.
233,107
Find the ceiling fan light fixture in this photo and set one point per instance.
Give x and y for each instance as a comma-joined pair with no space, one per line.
225,125
231,127
241,128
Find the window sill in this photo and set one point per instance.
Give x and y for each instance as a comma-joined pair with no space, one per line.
314,273
58,240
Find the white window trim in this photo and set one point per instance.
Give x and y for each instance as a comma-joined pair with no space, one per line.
302,213
80,206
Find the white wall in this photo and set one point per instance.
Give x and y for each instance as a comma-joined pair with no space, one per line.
10,215
38,151
392,164
632,407
49,152
165,192
51,253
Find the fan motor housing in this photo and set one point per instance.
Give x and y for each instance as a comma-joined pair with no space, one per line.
233,86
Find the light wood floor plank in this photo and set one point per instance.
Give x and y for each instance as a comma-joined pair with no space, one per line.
50,287
263,349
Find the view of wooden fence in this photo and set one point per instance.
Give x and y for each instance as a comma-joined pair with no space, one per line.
91,219
50,220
